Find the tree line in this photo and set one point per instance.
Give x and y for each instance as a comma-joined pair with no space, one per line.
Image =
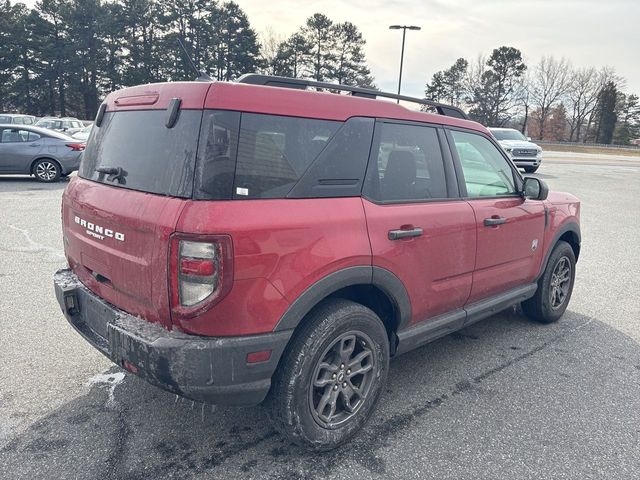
550,100
63,56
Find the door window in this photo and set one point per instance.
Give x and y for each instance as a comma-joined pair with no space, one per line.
406,165
486,172
14,135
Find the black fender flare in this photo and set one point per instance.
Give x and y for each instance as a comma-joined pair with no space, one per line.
389,283
567,227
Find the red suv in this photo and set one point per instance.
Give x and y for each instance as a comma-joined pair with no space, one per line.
243,242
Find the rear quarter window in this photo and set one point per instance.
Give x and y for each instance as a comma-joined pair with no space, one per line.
250,156
274,152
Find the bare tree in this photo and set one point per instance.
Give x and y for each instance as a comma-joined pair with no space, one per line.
550,81
582,98
604,76
269,42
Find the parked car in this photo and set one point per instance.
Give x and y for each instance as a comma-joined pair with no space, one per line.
16,119
280,245
45,154
83,135
66,125
524,153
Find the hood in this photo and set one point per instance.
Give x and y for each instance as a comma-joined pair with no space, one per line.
517,144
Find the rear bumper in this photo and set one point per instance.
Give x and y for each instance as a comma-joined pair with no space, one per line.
205,369
70,163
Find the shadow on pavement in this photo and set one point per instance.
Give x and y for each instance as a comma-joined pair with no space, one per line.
505,398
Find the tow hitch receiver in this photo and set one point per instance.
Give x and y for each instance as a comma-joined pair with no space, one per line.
71,303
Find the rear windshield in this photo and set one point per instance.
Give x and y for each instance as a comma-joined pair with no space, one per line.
152,157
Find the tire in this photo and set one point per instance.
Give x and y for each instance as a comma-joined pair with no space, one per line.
530,169
546,306
313,416
47,171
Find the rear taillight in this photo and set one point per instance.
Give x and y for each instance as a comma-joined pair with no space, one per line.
201,272
76,147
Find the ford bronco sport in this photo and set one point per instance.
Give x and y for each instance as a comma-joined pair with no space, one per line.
239,243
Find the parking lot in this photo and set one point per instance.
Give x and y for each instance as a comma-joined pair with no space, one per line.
505,398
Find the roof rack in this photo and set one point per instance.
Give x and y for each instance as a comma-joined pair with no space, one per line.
302,84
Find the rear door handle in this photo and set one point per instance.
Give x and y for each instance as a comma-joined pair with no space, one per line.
490,222
398,234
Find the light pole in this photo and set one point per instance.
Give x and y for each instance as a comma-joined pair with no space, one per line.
404,33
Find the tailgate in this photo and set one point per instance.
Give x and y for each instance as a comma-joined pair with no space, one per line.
117,242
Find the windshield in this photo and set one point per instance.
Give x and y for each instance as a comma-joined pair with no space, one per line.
49,124
508,135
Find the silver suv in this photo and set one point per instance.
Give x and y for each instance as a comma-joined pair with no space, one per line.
17,119
67,125
524,153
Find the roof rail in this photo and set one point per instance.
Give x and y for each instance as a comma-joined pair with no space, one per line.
302,84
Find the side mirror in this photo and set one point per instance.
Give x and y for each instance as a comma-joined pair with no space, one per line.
529,139
535,189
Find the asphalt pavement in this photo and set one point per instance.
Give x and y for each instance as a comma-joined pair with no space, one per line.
505,398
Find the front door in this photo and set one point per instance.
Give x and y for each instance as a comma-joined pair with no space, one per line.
510,228
418,230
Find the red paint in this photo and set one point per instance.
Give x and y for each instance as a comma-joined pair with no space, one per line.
505,257
275,249
436,267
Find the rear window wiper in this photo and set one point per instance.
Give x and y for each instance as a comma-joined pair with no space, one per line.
115,173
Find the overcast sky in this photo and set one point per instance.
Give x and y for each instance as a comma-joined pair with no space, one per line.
587,32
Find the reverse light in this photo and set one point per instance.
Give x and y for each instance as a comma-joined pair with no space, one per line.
201,272
76,147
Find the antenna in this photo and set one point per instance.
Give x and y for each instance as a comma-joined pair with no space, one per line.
201,76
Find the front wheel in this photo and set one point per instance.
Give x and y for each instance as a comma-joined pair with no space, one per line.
331,376
530,169
554,287
47,171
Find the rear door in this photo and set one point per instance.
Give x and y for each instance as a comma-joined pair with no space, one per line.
135,177
418,227
510,228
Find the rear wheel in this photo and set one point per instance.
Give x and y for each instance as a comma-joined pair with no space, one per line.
331,376
46,170
530,169
554,287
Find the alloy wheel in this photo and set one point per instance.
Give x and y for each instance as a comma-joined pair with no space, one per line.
560,283
342,379
46,171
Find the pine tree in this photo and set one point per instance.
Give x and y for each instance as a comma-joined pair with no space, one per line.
350,64
494,97
606,116
320,34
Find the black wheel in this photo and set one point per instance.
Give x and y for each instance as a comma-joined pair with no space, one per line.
530,169
46,170
331,376
554,287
